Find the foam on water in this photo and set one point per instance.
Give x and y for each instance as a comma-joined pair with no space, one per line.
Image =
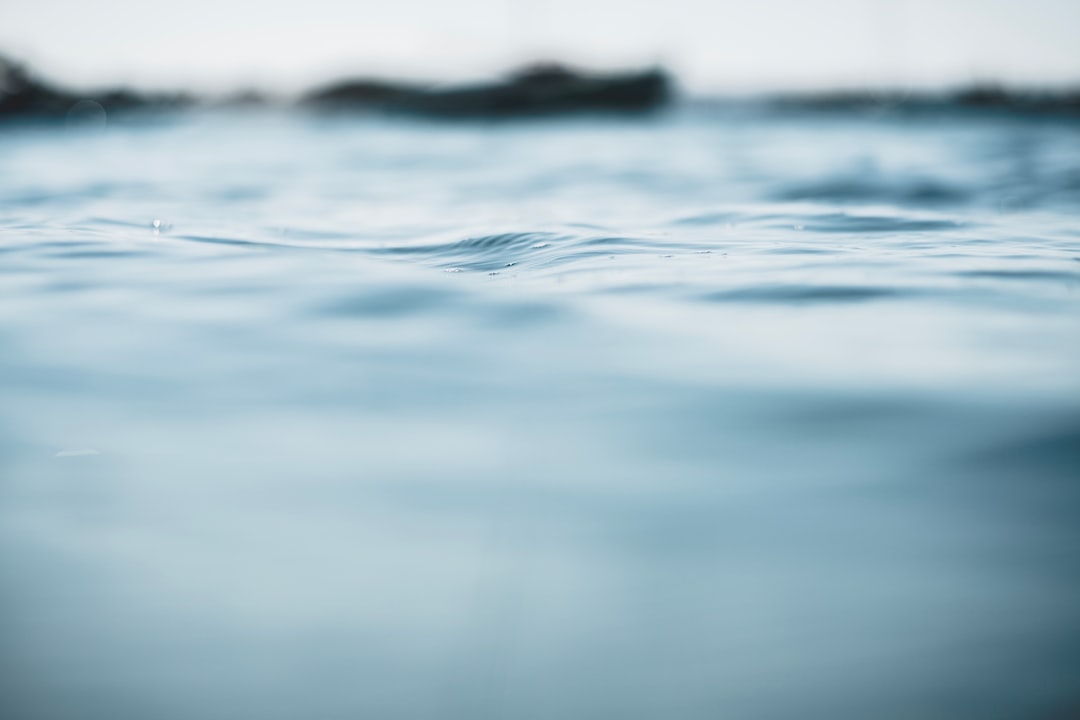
747,416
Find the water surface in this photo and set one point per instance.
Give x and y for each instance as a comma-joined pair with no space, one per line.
725,413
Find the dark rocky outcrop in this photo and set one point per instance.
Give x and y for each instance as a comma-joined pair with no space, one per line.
996,97
24,95
537,90
545,89
973,98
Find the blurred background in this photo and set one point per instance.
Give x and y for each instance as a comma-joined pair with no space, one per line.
713,47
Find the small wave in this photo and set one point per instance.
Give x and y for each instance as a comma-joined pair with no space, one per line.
845,223
482,253
806,250
788,294
393,302
711,218
218,240
495,253
862,190
823,222
98,254
1021,275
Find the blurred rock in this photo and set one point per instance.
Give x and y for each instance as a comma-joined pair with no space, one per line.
24,95
979,97
545,89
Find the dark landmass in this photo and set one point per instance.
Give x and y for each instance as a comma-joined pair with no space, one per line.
546,89
536,91
974,98
24,95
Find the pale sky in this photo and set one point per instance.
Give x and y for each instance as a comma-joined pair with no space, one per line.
712,45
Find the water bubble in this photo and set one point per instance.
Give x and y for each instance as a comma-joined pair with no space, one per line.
452,270
86,114
537,246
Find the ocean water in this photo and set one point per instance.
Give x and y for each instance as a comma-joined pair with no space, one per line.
726,413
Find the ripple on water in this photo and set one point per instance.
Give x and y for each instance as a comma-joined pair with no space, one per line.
863,190
480,253
798,294
786,458
847,223
1005,274
393,302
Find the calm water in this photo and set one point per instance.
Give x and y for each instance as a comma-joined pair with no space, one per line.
719,415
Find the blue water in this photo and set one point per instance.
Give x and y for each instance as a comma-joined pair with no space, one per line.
722,414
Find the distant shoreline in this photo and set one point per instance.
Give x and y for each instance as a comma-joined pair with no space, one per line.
538,90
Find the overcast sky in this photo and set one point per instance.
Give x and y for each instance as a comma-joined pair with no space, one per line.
713,45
